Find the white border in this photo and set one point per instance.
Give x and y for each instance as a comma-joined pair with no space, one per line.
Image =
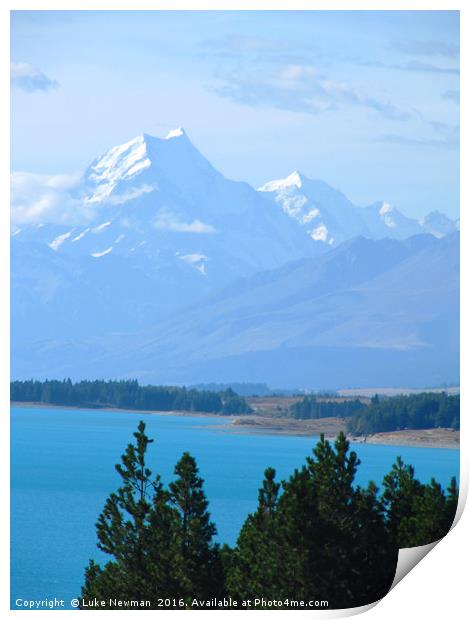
438,587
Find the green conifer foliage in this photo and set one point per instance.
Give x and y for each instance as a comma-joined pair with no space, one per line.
198,561
322,538
316,536
417,514
254,564
135,528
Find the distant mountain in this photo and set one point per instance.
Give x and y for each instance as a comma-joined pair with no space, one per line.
170,272
160,200
330,218
161,227
369,312
439,224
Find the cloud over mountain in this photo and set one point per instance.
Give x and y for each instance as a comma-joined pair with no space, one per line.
165,220
41,199
30,79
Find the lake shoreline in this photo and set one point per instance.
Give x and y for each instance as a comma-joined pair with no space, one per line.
260,425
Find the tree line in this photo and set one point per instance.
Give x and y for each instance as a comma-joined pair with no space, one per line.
416,411
311,408
315,536
127,394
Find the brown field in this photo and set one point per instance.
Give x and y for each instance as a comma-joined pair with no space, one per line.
330,427
277,406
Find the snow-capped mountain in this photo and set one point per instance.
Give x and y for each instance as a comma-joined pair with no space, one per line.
151,215
160,198
330,218
125,276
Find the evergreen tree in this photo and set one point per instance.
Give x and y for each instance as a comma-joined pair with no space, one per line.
198,561
400,489
135,528
268,494
163,547
417,514
127,394
254,564
424,410
452,502
321,539
349,543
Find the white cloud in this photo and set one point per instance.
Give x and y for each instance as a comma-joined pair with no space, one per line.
295,72
165,220
43,199
299,87
29,78
133,192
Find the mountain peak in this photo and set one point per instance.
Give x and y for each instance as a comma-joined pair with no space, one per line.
385,208
173,158
294,179
176,133
439,224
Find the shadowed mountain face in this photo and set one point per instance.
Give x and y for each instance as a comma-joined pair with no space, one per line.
368,312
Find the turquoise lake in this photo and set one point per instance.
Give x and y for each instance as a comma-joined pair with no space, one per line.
62,470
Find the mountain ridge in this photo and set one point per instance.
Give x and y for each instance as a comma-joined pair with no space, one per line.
293,323
328,216
252,273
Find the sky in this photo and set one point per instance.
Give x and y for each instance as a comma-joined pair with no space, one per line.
366,101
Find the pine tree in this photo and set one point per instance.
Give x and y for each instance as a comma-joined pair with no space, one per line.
254,565
198,561
353,549
452,502
163,547
127,530
400,490
268,495
322,538
417,514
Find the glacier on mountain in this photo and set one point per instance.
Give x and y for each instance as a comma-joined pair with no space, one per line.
329,217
